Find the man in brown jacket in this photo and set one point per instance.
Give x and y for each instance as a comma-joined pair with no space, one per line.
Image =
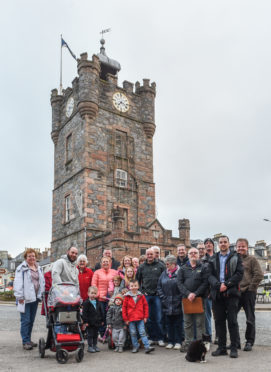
252,277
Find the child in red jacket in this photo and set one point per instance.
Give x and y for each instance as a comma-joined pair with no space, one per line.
135,313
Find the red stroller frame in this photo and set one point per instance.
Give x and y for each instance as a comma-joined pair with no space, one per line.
63,313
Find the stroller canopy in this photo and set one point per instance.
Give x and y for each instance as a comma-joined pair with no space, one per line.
64,294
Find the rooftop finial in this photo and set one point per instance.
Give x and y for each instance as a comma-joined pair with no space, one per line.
102,41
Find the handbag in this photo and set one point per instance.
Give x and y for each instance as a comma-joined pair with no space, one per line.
194,307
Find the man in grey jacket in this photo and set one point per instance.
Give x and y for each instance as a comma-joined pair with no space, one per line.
64,269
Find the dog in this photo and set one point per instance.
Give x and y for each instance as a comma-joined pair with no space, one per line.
197,349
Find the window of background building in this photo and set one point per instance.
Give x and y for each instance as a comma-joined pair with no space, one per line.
167,253
142,251
67,208
69,148
121,178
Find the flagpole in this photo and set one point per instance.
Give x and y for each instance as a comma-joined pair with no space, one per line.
60,85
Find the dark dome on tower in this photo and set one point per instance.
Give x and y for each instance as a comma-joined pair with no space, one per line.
108,65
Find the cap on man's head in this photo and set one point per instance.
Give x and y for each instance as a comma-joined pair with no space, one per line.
209,240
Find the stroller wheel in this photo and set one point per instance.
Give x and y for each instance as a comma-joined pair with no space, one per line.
62,356
79,355
41,347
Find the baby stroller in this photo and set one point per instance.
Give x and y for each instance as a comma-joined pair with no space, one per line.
63,323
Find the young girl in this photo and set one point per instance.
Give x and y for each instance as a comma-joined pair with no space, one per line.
114,288
129,275
93,318
126,262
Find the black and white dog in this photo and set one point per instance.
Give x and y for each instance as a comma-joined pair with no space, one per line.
197,349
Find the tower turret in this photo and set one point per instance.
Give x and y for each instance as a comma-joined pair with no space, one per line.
147,93
88,72
56,103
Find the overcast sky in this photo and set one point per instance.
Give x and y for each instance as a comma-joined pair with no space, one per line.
211,62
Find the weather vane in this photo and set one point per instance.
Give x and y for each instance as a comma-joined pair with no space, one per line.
105,31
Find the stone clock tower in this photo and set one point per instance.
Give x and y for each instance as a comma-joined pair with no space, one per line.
104,194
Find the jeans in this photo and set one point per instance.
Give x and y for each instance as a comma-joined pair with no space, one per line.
119,336
247,301
208,316
138,326
226,308
154,323
27,321
174,324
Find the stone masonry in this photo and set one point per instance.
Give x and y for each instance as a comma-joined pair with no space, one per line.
94,143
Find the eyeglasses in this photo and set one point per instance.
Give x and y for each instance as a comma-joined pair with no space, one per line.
193,252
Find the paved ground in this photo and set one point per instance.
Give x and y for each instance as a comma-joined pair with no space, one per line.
14,358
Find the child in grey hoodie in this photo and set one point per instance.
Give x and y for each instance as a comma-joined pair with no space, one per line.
115,322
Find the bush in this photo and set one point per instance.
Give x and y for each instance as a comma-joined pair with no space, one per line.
7,296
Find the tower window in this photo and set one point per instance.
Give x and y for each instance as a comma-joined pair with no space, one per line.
121,178
67,208
121,144
69,148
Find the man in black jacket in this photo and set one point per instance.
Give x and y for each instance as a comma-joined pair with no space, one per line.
192,280
148,275
226,272
182,257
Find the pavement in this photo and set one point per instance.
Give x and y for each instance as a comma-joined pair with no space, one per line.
14,358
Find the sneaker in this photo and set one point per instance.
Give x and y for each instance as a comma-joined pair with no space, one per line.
234,353
161,343
177,347
184,347
248,347
91,349
27,346
116,349
120,349
135,350
151,342
33,344
95,347
219,352
169,346
149,349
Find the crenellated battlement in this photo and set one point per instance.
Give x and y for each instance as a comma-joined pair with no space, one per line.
146,87
84,63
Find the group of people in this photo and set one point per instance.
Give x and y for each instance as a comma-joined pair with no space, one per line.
167,301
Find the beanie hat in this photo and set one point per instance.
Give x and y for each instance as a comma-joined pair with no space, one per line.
119,297
209,240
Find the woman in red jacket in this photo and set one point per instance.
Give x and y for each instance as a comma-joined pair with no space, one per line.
85,276
135,312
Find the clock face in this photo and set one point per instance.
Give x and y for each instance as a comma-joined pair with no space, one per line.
120,102
69,107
